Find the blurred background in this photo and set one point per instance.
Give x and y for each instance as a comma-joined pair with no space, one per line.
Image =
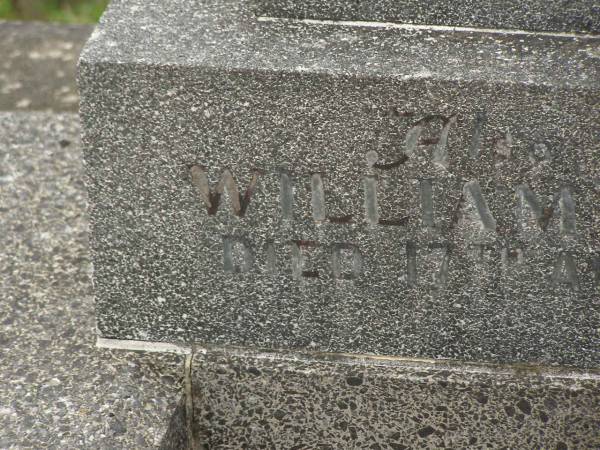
40,42
69,11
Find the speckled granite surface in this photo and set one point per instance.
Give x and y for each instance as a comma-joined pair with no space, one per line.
385,191
537,15
37,65
274,401
57,390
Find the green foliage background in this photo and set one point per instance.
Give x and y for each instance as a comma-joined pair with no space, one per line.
72,11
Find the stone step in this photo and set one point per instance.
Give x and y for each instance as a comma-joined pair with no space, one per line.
257,400
536,15
353,189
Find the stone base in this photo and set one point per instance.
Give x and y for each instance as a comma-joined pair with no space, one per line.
291,401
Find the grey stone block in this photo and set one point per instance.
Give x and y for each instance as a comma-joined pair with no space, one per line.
534,15
342,189
245,400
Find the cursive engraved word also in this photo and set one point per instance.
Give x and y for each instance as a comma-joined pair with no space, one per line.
346,261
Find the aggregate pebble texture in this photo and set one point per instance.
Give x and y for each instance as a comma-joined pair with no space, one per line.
57,390
343,189
38,65
279,401
536,15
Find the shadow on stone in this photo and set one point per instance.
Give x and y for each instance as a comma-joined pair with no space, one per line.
176,437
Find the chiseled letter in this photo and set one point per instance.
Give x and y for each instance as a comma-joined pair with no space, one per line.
565,271
237,255
528,201
355,264
473,195
212,198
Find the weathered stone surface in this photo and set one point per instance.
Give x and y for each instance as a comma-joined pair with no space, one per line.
245,400
57,390
535,15
417,193
37,65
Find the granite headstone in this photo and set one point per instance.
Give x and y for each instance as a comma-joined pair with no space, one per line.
343,188
362,234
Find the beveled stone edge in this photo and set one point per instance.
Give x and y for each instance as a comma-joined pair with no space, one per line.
97,53
420,27
523,370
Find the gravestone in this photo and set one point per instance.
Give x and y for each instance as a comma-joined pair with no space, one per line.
348,189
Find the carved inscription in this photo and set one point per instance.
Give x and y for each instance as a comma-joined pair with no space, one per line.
346,261
485,243
212,198
237,255
476,207
531,209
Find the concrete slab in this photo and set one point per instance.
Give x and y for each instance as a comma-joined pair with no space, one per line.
57,390
246,399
